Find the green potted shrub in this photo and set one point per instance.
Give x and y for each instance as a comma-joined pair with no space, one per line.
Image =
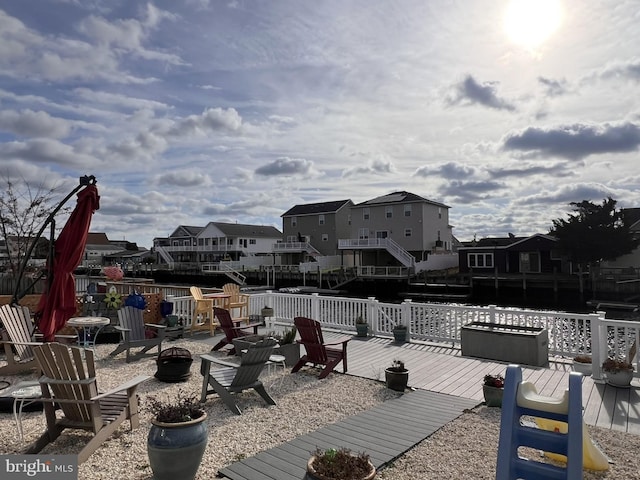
397,376
177,438
493,390
400,333
618,372
362,327
287,346
340,464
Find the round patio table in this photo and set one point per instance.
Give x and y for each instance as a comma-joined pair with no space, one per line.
87,329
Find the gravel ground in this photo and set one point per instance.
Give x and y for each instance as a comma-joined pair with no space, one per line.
464,449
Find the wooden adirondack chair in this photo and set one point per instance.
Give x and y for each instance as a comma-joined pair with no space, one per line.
19,338
69,381
238,302
231,329
134,335
203,309
233,378
317,351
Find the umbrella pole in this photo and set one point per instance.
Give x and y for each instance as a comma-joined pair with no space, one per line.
17,295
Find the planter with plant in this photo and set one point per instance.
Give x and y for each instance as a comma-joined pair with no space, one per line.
340,464
618,372
177,437
287,346
493,390
362,327
582,364
397,376
400,333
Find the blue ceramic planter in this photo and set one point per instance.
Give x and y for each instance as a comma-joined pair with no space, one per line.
175,449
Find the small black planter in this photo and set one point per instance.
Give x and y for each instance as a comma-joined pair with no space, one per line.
362,329
396,380
400,334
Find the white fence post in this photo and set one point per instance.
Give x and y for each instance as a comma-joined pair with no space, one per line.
406,317
315,305
599,349
372,314
492,314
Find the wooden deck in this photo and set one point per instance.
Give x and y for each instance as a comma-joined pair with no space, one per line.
385,432
443,370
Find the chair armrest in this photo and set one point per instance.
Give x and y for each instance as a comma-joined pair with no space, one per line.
121,329
33,344
155,325
219,361
337,341
134,382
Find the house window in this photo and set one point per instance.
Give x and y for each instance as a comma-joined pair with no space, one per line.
229,241
388,211
382,234
407,210
363,233
294,221
365,214
320,219
529,262
407,232
349,219
480,260
200,242
252,241
325,237
439,212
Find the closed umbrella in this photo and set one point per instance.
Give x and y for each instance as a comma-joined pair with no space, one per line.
58,304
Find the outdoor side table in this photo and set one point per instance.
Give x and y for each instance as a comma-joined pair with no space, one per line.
87,329
26,394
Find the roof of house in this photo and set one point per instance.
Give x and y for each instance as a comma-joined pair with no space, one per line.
399,197
186,230
316,208
631,216
243,230
97,238
503,242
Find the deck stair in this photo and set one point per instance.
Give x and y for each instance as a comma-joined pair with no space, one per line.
166,256
387,244
233,274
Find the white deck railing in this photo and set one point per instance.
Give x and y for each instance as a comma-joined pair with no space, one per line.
569,334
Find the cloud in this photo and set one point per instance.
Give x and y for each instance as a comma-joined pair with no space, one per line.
211,120
470,92
553,88
450,170
45,151
629,69
556,170
466,192
184,179
574,141
566,194
373,167
286,166
27,123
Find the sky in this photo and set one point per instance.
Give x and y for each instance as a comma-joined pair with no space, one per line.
193,111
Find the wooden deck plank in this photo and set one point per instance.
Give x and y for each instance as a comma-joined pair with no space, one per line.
415,416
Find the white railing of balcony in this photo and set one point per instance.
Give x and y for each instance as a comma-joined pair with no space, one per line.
615,339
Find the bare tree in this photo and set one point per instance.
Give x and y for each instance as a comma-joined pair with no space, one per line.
23,210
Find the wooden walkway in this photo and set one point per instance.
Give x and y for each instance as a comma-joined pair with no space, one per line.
385,432
440,369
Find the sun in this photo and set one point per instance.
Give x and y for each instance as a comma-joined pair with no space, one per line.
529,23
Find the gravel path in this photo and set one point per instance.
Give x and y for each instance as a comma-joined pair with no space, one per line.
463,449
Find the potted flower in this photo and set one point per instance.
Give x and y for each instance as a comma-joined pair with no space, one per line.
287,346
340,464
397,376
493,389
362,327
582,364
400,333
177,437
619,372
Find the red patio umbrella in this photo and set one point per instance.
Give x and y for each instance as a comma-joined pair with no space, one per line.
58,304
